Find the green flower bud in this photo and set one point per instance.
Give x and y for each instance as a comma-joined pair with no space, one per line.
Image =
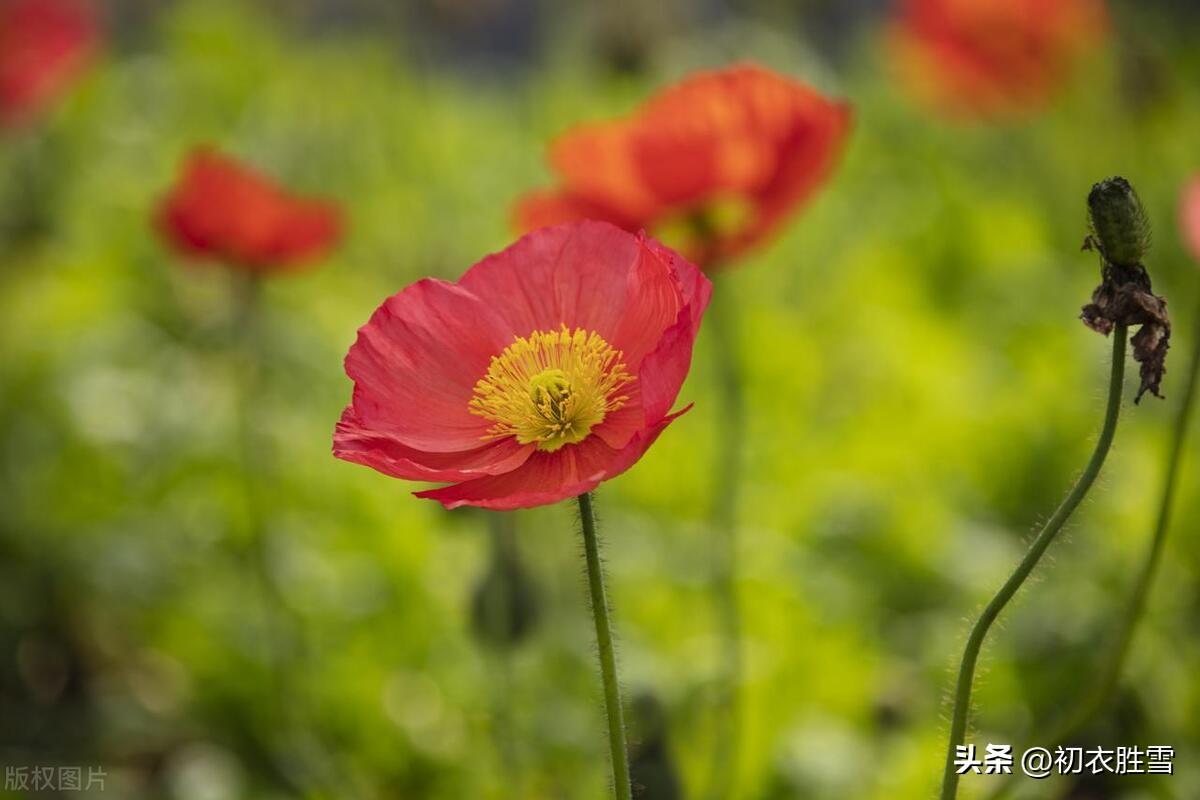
1118,222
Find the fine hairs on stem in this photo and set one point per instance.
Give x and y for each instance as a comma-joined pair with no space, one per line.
966,672
1111,671
1093,700
619,750
1120,233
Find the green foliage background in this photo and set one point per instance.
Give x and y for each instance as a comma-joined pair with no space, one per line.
920,394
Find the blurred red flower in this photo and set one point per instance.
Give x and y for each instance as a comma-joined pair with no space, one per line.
992,58
1189,217
548,368
223,210
714,163
44,46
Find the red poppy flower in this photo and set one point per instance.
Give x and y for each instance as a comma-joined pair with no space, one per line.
714,163
1189,217
44,45
222,210
548,368
992,58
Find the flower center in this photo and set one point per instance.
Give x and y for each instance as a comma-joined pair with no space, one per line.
551,388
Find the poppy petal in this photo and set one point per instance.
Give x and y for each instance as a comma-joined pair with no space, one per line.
652,302
362,444
550,477
416,361
668,288
575,275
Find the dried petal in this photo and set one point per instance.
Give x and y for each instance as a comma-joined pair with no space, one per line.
1125,297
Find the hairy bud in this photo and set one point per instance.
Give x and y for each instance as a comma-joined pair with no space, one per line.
1118,222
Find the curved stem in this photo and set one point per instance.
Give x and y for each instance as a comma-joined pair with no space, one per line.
1098,694
622,788
966,672
1141,588
723,322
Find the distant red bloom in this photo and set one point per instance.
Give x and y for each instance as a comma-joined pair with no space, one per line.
992,58
548,368
1189,217
222,210
716,162
44,46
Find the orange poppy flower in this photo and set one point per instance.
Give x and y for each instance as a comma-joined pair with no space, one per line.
223,210
991,58
711,165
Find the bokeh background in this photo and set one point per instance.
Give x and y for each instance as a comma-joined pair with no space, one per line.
920,395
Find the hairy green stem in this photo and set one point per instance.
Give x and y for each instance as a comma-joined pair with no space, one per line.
966,672
727,474
1094,699
1136,606
622,787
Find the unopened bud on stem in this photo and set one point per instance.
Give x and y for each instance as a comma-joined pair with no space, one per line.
1119,225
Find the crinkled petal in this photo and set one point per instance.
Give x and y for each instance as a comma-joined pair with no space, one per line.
662,372
667,301
416,362
575,275
620,426
361,444
550,477
653,299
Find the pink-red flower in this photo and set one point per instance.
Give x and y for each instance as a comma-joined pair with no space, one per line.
224,211
1189,217
714,163
992,58
44,46
546,369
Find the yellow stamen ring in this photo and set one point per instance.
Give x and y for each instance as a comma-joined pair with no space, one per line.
551,388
